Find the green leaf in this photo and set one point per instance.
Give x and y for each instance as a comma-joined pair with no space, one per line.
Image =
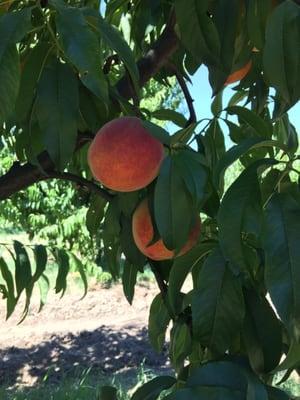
115,41
82,47
242,196
277,394
92,110
129,281
197,31
259,126
194,174
62,259
237,97
108,393
214,143
10,80
158,132
172,205
56,109
23,268
170,115
232,155
257,14
40,256
13,27
159,319
219,374
181,267
217,104
281,60
286,134
79,267
152,389
281,238
44,286
217,305
183,135
31,72
180,344
227,19
235,152
128,202
111,240
204,393
292,359
129,248
95,214
262,334
236,379
8,278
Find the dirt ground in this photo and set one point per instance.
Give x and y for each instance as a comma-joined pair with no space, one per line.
101,331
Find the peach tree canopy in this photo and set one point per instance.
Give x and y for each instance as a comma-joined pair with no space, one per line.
67,69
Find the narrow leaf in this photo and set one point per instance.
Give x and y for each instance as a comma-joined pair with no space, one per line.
40,255
281,244
152,389
82,47
217,305
23,268
62,260
159,319
57,109
281,61
116,42
173,213
8,278
241,195
181,268
129,281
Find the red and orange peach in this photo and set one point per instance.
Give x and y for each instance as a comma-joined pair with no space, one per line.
143,232
124,156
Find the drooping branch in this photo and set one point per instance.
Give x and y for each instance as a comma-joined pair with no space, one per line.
80,181
20,177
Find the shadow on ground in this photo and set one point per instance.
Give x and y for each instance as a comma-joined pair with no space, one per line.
103,349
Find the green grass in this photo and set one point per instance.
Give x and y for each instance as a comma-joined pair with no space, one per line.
81,385
85,384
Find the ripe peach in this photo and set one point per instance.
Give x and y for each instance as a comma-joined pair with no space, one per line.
142,229
124,156
239,74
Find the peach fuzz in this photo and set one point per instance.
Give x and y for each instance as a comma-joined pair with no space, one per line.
124,156
142,230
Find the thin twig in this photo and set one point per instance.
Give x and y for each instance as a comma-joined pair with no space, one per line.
80,181
163,287
185,90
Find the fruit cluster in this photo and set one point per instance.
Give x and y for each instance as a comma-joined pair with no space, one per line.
125,157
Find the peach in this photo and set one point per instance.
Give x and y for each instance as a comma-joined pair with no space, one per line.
124,156
142,229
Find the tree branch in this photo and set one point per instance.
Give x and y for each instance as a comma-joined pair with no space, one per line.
19,177
185,90
154,59
80,181
163,287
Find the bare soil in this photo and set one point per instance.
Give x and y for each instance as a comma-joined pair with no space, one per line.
101,331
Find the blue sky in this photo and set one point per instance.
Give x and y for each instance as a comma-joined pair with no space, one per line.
201,93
